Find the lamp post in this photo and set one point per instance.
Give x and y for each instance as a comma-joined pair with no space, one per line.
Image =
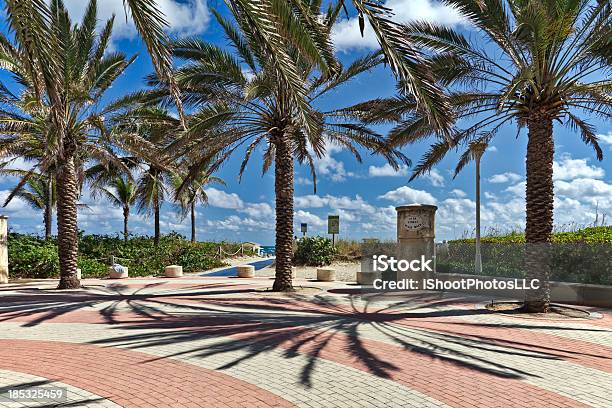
4,266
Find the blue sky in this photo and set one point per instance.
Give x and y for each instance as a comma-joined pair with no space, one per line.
364,195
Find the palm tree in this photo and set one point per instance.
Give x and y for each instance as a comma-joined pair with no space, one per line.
252,109
151,193
44,39
39,193
551,63
192,194
120,191
145,131
65,71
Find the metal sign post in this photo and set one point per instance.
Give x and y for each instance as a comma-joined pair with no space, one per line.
304,228
333,227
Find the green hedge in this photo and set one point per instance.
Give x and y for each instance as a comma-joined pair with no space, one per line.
583,256
33,257
591,235
314,251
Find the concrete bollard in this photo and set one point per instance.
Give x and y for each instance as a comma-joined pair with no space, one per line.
246,271
113,274
173,271
367,278
326,274
79,274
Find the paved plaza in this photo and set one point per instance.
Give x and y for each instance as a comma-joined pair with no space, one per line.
224,342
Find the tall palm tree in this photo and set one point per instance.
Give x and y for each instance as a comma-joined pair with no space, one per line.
551,62
192,194
144,131
150,195
120,191
44,39
253,109
39,193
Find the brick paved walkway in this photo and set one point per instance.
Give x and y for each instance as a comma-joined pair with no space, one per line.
221,342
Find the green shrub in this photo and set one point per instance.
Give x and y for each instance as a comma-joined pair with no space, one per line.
33,257
583,256
92,268
314,251
198,257
348,250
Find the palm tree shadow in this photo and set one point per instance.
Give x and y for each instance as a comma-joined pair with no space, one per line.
214,320
253,332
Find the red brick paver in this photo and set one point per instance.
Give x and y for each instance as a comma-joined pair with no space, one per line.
130,378
438,348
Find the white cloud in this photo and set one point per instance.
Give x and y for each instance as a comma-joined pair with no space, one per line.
17,207
310,201
456,211
348,203
458,193
507,177
407,195
236,223
456,216
15,163
346,34
231,223
606,139
258,210
579,189
185,17
221,199
387,171
490,196
592,191
347,216
330,167
303,181
385,218
334,202
309,218
517,189
569,169
492,149
435,178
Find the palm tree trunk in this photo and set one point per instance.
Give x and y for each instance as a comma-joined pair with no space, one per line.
67,234
283,185
48,216
156,215
126,215
540,201
193,222
478,260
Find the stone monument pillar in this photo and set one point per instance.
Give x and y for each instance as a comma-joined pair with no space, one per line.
415,236
4,268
